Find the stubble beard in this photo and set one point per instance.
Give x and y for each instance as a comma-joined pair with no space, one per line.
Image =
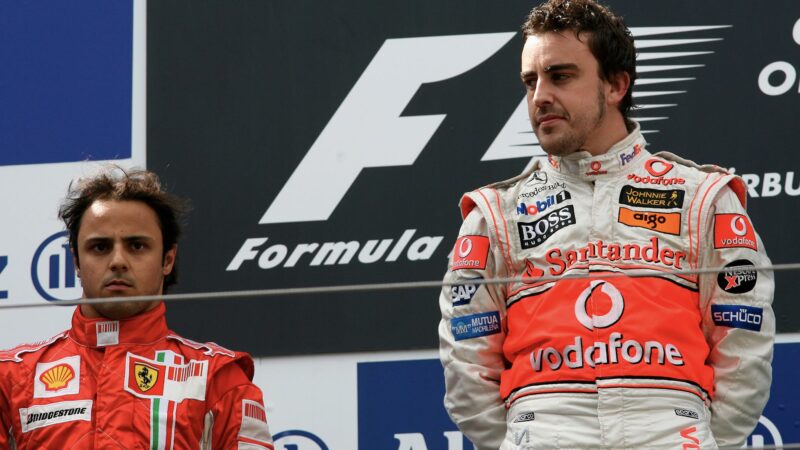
574,138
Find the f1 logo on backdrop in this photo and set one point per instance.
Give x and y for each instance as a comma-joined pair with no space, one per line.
366,133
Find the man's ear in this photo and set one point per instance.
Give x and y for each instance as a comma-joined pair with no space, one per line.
169,260
618,85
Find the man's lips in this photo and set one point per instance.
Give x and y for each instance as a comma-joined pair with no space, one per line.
118,285
548,119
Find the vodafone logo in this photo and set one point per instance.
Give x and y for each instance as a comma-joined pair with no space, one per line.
470,252
734,230
657,168
607,319
596,168
465,247
738,226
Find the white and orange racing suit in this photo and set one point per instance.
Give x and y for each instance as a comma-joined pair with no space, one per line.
637,355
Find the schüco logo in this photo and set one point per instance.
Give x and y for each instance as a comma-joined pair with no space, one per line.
53,270
616,350
364,133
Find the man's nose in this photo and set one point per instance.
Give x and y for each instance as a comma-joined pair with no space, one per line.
543,94
119,260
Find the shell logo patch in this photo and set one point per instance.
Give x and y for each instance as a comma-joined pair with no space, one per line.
57,378
146,376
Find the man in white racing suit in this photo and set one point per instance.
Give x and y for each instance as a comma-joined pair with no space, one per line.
625,351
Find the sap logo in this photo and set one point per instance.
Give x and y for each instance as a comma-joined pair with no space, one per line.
298,440
772,184
416,441
330,253
366,133
53,270
461,294
540,205
766,433
786,70
535,233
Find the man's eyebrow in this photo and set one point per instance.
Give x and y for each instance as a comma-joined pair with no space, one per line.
137,238
555,67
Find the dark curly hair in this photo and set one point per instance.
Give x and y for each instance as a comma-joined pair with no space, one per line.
116,183
609,39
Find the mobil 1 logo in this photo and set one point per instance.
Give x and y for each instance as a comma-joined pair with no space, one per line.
738,277
533,234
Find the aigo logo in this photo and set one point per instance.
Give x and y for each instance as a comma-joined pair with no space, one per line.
599,321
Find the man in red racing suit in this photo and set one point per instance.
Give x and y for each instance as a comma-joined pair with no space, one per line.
629,352
128,384
119,378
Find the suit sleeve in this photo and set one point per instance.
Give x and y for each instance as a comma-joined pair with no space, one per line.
6,438
471,335
237,416
738,320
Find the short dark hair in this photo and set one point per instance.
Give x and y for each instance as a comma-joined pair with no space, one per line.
116,183
610,41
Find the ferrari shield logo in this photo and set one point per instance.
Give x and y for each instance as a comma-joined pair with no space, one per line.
146,376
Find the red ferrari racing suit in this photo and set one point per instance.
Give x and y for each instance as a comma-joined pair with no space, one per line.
636,355
128,384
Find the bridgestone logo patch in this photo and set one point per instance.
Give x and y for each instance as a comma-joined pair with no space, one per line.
54,413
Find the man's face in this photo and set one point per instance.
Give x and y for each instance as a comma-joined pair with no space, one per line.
120,252
567,99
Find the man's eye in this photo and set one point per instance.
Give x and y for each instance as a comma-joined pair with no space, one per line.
137,245
100,247
560,76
